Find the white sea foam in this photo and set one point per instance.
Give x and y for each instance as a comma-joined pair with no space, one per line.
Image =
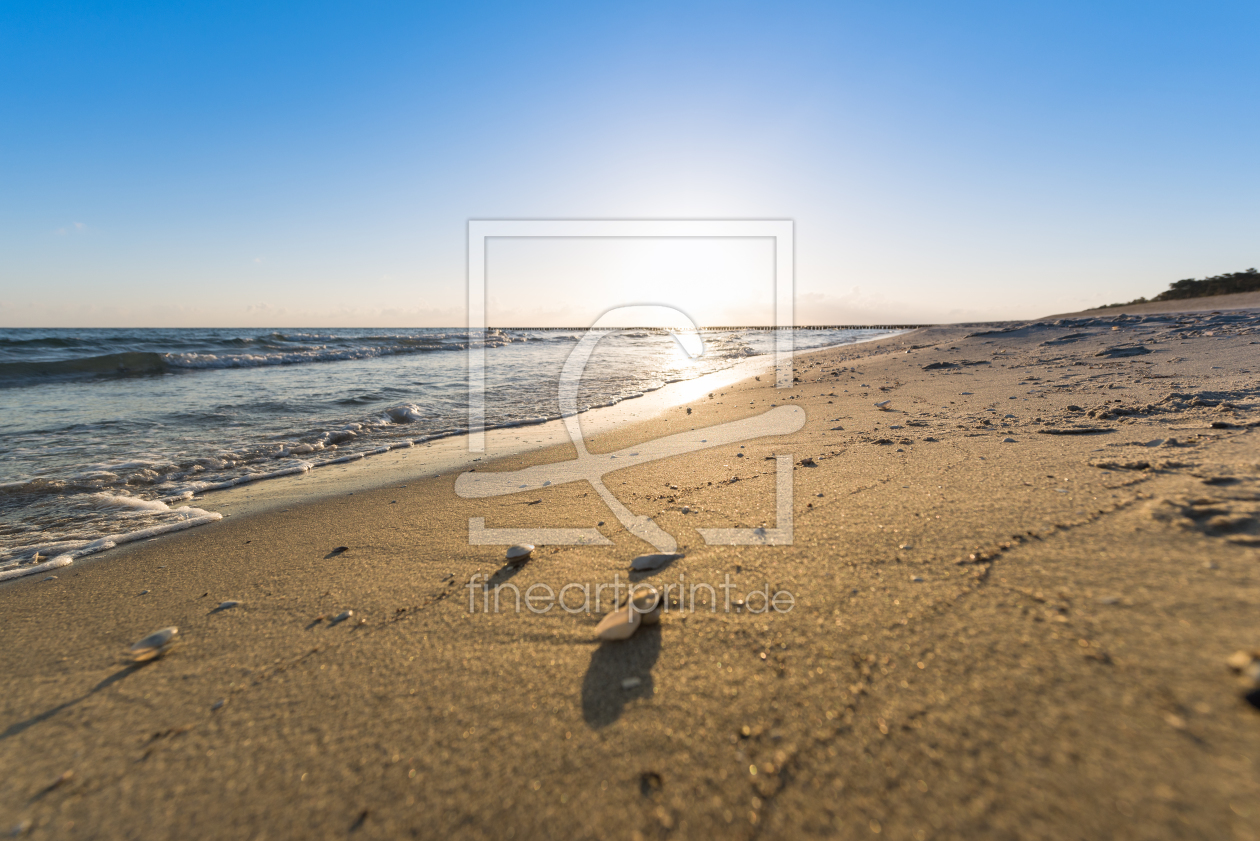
19,572
105,500
406,413
342,460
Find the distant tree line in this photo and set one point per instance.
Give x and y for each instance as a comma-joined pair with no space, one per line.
1222,284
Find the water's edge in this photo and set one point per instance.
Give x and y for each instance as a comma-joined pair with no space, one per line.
445,453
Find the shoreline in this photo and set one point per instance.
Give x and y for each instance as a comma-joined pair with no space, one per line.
974,619
447,450
449,454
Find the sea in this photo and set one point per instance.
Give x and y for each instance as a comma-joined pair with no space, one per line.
110,433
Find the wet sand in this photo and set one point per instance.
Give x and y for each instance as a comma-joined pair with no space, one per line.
990,638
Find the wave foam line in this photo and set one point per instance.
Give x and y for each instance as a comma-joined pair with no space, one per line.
200,519
55,563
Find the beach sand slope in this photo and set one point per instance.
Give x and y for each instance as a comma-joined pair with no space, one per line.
991,638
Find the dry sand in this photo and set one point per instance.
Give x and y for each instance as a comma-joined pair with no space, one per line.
1214,303
991,639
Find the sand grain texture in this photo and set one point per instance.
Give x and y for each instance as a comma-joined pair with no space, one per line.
1046,657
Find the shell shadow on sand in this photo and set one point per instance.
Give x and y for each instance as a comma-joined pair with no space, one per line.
604,697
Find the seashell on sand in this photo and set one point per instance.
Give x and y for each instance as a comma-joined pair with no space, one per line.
654,561
520,552
227,605
648,603
883,405
154,645
618,625
342,617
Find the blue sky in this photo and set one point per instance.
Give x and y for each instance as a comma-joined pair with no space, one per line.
309,164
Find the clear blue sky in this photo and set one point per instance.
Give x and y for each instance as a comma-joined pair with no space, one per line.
312,164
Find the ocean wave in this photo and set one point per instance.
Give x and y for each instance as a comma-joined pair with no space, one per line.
166,352
147,363
131,364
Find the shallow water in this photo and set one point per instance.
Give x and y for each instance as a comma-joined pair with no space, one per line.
105,430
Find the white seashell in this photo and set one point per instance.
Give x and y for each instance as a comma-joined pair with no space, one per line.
343,616
654,561
618,625
648,603
154,645
883,405
520,551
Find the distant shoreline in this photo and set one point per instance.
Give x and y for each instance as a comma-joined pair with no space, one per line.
1233,301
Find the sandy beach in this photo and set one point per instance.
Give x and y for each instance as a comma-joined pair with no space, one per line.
1015,592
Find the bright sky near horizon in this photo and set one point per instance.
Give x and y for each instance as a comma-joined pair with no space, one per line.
242,164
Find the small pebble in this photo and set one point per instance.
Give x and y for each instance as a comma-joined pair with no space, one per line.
343,616
618,625
217,705
648,604
228,605
632,682
1008,440
145,592
883,405
521,551
654,561
154,645
1240,660
917,580
686,509
906,546
51,578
